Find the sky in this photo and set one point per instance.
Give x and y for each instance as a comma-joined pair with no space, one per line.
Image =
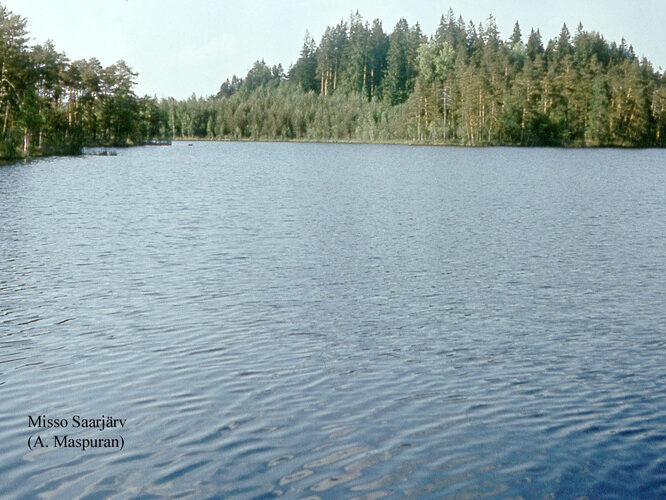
181,47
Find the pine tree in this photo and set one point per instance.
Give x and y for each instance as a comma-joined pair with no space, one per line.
304,72
379,46
516,38
356,57
329,57
534,45
597,131
13,61
563,46
399,71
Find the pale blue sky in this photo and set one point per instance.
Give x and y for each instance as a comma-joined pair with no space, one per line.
181,47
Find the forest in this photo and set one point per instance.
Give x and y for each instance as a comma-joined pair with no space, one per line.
463,85
51,105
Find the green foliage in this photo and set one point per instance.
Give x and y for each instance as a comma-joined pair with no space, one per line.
464,85
304,72
49,105
261,75
401,62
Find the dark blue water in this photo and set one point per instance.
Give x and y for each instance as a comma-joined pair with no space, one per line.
336,321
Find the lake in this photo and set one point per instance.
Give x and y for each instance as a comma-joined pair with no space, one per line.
332,320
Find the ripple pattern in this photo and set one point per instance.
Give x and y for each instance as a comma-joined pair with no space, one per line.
336,321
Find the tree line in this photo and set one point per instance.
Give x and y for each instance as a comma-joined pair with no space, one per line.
51,105
463,85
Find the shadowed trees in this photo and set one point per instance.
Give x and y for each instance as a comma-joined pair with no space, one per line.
463,85
49,104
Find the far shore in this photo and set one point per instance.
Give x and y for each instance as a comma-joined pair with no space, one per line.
109,148
407,143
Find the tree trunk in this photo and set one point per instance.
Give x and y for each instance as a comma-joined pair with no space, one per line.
365,76
372,83
4,127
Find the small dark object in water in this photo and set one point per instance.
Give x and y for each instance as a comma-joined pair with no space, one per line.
190,144
96,151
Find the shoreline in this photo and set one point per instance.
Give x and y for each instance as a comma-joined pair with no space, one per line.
9,160
6,161
407,143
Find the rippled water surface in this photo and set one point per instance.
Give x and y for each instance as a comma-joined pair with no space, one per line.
336,321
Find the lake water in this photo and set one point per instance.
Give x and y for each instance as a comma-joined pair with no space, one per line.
310,320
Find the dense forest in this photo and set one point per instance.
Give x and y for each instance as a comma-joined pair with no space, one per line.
50,105
464,85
